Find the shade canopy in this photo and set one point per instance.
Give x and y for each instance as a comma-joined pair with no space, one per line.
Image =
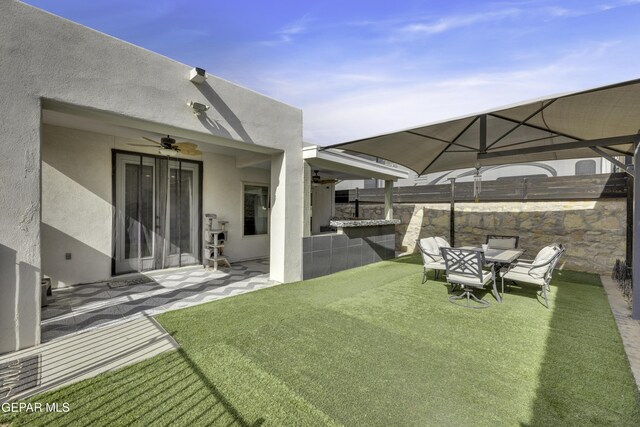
602,121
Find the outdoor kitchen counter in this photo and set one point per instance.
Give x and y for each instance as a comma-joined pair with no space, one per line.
356,243
363,222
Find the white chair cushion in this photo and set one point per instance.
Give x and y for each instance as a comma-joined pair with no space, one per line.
521,274
469,280
430,246
442,242
545,255
509,243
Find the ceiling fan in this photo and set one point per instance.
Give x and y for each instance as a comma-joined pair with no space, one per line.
315,179
169,147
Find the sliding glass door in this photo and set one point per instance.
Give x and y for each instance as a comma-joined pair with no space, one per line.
157,220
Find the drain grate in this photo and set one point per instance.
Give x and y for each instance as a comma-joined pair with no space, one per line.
19,375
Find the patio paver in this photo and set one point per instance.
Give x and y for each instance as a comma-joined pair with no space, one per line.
85,307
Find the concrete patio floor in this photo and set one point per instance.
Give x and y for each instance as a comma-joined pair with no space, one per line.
84,307
94,328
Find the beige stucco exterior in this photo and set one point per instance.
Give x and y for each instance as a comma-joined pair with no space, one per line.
48,63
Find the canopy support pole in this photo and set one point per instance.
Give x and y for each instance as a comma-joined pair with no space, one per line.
635,271
452,222
601,142
483,133
629,250
613,160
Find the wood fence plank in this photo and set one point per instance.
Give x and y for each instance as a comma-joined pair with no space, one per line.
593,187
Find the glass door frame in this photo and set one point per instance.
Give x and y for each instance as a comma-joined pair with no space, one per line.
114,194
179,259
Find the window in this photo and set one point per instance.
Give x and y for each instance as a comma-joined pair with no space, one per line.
585,167
256,209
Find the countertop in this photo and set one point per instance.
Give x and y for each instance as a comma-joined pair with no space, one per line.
363,222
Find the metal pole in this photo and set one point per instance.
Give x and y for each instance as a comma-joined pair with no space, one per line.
635,270
357,205
452,223
630,183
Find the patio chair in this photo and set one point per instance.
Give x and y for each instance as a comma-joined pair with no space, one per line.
431,258
464,269
537,272
502,242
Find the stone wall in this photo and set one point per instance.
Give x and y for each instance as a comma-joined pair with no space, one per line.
594,232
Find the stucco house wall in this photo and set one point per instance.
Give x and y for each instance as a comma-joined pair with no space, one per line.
51,63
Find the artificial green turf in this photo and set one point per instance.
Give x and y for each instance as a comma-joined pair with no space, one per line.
373,346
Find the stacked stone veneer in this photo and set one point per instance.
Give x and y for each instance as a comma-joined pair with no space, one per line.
594,232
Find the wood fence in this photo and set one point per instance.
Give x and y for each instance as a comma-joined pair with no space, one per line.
587,187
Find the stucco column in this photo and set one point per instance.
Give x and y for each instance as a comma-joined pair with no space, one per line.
19,221
306,231
287,183
388,199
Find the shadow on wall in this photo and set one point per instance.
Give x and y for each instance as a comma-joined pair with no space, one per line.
227,114
18,293
86,264
77,159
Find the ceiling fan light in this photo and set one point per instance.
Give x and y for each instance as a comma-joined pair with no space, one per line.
167,152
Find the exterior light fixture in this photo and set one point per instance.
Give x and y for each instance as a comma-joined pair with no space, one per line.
197,75
197,107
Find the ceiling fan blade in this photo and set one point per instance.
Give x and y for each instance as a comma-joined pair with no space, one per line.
186,145
142,145
193,152
151,140
188,148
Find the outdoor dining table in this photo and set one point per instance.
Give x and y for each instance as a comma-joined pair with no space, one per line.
500,257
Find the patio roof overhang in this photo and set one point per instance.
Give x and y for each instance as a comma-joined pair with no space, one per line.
345,166
603,121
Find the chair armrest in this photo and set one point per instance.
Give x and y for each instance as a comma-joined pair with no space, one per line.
543,263
550,262
430,255
512,266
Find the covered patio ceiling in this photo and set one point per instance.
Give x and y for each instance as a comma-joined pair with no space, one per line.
603,121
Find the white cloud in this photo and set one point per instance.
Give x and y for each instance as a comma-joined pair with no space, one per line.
286,34
454,22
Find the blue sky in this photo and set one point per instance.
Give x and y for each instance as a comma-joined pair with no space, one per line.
360,68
